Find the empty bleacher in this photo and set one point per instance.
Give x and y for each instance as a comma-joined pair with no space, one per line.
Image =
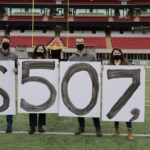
24,18
65,1
131,42
92,2
145,19
97,42
1,17
139,2
58,18
123,19
27,1
90,19
26,41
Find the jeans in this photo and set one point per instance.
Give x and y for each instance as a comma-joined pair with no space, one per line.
9,119
128,124
96,122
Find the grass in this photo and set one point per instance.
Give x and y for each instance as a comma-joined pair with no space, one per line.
67,142
71,142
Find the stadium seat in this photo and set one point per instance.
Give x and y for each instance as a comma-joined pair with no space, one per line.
97,42
131,43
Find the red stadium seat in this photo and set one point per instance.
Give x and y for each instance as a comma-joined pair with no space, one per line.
123,19
139,2
27,1
57,19
131,43
97,42
18,18
90,18
145,19
93,1
27,40
65,1
1,17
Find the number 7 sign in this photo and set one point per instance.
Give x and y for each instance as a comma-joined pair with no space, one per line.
123,93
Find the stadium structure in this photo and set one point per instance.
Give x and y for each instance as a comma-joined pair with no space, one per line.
104,25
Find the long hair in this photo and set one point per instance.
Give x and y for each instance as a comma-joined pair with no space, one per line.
123,60
35,55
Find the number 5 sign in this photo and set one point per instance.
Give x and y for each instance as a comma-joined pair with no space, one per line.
123,93
37,86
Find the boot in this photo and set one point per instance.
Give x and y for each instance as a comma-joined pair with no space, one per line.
79,131
99,132
41,130
8,130
117,132
130,134
32,130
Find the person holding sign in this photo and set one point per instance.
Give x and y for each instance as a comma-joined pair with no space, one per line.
6,54
82,55
117,58
38,119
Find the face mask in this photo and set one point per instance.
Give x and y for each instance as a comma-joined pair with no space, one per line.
40,54
5,45
80,47
117,57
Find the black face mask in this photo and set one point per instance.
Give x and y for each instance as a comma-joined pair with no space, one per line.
5,45
117,57
40,54
80,47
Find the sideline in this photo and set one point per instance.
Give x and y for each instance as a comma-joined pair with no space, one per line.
71,133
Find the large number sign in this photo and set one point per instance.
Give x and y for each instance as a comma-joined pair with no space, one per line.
7,88
80,89
123,93
37,86
41,83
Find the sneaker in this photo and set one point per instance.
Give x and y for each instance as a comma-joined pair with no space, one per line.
9,130
79,131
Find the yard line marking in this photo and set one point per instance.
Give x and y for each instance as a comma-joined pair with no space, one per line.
71,133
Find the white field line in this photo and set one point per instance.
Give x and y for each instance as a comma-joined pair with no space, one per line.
71,133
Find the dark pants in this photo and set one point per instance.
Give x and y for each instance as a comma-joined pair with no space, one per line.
37,119
96,122
9,120
128,124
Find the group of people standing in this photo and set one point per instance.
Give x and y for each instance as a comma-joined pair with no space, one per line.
40,52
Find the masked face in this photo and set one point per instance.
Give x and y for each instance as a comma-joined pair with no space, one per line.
80,44
80,47
5,45
117,57
40,52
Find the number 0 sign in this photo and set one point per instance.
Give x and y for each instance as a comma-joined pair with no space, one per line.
123,93
79,88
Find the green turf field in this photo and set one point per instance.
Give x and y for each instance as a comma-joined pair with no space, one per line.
24,141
